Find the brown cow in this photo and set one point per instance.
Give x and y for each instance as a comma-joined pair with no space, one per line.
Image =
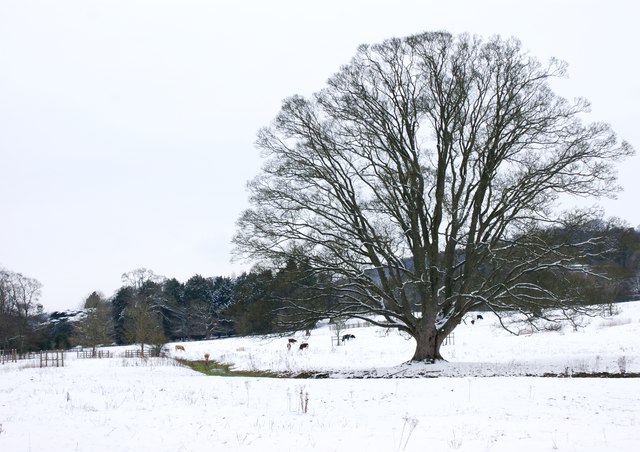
304,345
180,347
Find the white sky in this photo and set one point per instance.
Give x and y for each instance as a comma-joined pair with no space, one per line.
127,126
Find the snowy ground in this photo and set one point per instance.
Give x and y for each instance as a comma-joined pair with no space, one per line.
124,404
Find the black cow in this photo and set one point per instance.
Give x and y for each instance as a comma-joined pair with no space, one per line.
347,337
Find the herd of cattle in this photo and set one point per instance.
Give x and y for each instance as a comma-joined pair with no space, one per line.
290,343
304,345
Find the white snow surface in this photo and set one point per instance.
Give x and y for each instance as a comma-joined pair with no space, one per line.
489,395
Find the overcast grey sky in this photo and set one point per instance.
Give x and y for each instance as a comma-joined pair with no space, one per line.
127,126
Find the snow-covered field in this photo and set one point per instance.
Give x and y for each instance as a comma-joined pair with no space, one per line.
125,404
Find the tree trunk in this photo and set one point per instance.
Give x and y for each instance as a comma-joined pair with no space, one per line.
428,345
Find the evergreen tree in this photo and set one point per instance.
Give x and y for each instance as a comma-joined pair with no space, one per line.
119,304
97,326
254,306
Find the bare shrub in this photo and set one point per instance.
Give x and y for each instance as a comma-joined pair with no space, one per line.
622,364
552,326
304,400
410,424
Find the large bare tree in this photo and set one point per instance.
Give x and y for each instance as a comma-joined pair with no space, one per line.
19,296
419,181
138,277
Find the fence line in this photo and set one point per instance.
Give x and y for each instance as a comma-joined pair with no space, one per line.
137,353
8,356
450,339
348,326
52,358
12,355
96,354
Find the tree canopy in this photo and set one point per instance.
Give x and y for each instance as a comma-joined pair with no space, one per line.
421,179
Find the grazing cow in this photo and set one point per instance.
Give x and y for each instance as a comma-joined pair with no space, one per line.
292,340
479,317
304,346
180,347
206,357
348,337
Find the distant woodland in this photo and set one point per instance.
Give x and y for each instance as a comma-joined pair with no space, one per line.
153,309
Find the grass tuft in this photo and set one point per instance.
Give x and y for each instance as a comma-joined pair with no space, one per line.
215,368
218,369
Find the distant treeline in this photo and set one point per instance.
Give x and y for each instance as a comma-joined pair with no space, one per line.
147,308
152,309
